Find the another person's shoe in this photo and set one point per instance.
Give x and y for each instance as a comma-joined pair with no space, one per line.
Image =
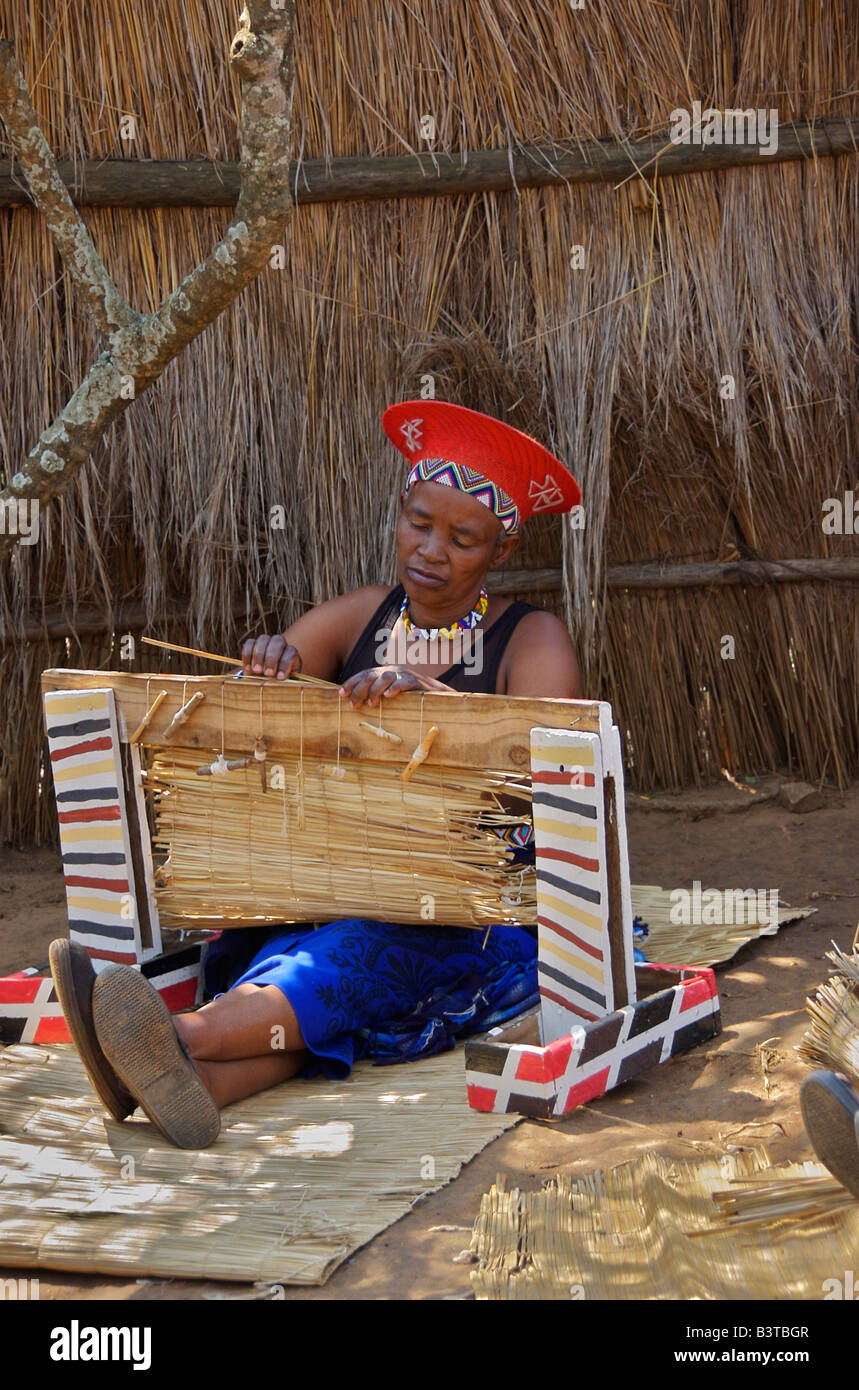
74,979
830,1109
137,1035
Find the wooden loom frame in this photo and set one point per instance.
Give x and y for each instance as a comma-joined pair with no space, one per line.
601,1019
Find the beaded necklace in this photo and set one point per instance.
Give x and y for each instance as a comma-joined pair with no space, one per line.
431,634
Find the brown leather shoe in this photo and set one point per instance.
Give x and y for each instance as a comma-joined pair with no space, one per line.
74,979
138,1037
830,1110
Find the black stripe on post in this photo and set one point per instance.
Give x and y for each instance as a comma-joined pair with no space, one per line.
694,1033
649,1013
577,987
99,929
90,794
80,858
600,1037
561,803
81,726
535,1106
174,960
647,1056
483,1057
588,895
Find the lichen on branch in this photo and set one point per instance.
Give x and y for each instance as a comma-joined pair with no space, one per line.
140,346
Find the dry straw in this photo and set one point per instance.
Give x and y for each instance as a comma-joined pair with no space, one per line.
616,367
651,1229
703,943
832,1041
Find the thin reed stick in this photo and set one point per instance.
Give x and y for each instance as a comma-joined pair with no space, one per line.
230,661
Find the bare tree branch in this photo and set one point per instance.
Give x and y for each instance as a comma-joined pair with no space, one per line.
262,55
65,224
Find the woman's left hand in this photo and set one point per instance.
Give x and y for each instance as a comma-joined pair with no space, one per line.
368,687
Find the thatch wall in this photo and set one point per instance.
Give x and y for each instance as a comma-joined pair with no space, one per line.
751,272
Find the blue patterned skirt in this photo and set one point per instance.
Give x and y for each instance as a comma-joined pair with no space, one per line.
378,989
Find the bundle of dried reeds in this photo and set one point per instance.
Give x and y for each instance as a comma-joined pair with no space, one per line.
832,1040
330,841
804,1196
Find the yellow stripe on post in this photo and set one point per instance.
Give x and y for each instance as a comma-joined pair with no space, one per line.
578,962
116,908
581,757
80,769
549,825
99,830
560,910
58,704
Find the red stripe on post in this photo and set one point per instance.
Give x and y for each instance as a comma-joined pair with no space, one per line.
558,1054
17,989
481,1098
181,995
110,885
566,856
119,957
532,1067
700,988
565,1004
587,1090
83,817
91,745
52,1030
570,936
564,779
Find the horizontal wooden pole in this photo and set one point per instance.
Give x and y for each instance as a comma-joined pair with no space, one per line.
291,717
206,183
750,572
90,621
540,581
94,622
674,576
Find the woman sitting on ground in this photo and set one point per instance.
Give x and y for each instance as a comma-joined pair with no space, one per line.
308,996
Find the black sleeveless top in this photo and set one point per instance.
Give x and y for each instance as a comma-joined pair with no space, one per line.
459,677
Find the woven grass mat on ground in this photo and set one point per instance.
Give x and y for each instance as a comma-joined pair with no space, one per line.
651,1229
704,943
299,1178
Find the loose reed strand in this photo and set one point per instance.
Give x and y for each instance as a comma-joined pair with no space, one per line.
832,1040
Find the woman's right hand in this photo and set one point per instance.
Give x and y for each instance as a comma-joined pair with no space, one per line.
270,656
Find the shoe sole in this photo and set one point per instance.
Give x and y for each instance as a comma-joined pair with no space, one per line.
137,1035
77,1012
829,1109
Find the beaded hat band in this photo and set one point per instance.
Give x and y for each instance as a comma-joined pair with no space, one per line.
469,480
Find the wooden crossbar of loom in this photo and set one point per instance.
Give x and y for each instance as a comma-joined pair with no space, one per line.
475,731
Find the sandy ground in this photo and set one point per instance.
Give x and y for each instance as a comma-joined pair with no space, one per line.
717,1095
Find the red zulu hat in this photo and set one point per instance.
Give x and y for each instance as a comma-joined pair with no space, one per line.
534,479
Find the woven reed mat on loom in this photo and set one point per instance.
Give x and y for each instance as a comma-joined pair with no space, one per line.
651,1229
704,943
299,1178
